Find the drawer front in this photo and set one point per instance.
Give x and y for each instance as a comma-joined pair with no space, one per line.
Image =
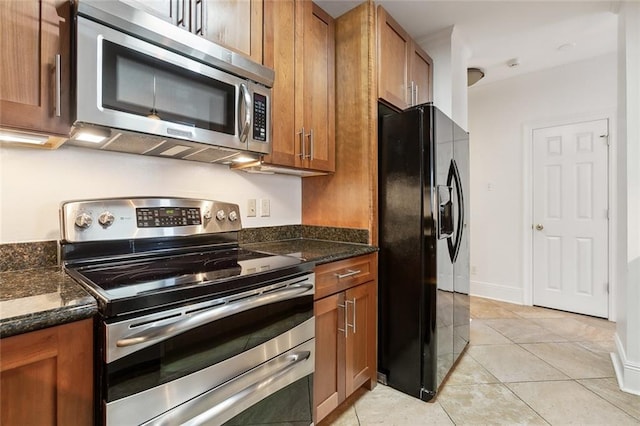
341,275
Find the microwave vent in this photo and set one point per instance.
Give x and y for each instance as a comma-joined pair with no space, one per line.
211,155
132,143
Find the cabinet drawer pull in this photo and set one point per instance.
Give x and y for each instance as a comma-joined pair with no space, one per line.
349,273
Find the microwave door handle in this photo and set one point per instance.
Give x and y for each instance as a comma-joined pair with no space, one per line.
244,110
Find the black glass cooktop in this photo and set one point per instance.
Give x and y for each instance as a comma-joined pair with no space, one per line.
170,278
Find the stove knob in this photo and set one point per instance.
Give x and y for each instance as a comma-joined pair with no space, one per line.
207,215
233,216
220,215
106,219
84,220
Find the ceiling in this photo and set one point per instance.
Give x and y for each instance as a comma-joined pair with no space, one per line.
539,34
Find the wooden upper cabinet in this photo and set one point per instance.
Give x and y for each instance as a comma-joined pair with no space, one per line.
404,69
394,47
280,54
318,91
35,45
421,67
300,45
236,24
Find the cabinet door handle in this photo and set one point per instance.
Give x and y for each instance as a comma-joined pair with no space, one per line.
57,102
353,314
303,152
181,4
410,88
310,135
415,102
199,22
350,273
345,306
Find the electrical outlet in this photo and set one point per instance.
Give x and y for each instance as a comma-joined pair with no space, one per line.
265,207
251,208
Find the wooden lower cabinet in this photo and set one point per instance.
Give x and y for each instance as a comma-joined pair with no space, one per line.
46,376
345,332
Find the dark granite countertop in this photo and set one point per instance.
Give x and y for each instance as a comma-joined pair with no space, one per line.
318,251
32,299
44,296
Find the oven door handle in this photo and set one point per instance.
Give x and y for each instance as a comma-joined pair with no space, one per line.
207,408
165,331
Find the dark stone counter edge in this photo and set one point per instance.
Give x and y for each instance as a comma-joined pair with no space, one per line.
343,250
39,320
356,252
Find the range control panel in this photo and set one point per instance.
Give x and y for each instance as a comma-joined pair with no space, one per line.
155,217
133,218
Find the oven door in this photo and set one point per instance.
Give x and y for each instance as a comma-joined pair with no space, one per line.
127,83
215,370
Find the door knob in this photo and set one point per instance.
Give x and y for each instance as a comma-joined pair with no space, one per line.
539,227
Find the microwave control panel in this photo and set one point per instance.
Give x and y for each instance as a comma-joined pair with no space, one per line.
259,117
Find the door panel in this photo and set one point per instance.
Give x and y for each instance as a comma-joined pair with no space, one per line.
570,241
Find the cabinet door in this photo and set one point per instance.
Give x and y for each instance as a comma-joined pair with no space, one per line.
360,310
236,24
279,54
318,93
34,94
394,46
328,382
421,75
46,376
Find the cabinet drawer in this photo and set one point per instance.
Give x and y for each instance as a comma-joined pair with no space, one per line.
341,275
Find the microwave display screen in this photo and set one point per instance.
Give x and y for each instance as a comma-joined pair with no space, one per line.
143,85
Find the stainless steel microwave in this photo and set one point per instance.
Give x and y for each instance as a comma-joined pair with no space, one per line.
144,86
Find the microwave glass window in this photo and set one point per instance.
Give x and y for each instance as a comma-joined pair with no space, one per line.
140,84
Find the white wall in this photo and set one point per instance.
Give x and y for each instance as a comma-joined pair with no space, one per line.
33,183
450,56
498,114
627,356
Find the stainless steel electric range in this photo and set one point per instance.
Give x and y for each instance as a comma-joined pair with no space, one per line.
192,329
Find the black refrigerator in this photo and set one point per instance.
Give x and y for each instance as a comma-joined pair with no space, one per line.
424,248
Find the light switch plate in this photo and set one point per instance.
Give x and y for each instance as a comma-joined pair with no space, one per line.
265,207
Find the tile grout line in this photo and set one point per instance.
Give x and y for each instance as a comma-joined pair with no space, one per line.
604,399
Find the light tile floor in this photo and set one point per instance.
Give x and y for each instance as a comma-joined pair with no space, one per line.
524,365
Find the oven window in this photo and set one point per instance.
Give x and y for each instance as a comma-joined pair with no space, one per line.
202,347
140,84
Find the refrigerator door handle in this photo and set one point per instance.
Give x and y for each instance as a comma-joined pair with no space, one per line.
445,212
454,179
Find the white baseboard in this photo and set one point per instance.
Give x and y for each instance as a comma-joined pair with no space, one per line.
627,372
497,292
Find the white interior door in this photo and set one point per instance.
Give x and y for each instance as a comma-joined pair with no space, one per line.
570,229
